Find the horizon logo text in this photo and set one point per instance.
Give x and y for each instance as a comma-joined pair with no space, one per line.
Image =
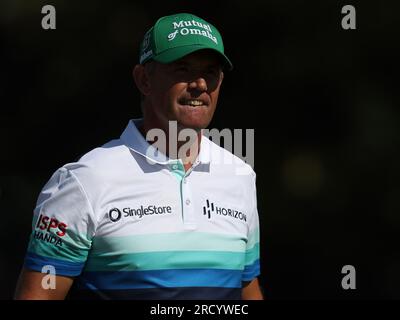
211,208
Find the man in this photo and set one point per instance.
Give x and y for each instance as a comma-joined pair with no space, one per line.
140,220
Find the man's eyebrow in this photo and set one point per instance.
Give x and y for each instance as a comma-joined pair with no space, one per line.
181,62
207,65
215,65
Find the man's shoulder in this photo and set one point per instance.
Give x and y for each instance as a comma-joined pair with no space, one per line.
102,155
98,163
89,176
226,160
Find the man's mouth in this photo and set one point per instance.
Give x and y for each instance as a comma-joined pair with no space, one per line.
193,102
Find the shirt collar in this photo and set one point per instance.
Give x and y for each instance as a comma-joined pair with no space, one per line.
134,140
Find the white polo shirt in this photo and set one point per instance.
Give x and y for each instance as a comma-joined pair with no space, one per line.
130,224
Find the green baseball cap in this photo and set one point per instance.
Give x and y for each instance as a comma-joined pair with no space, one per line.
175,36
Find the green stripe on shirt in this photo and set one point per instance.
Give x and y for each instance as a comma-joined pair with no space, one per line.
181,241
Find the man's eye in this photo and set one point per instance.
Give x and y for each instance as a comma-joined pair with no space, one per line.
212,72
182,69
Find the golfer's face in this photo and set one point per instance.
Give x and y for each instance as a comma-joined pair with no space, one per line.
187,90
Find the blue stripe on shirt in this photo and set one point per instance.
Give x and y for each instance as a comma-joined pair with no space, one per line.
36,262
162,278
251,271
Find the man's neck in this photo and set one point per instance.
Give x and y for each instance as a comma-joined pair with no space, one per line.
187,150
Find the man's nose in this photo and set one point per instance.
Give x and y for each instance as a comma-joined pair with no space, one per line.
198,84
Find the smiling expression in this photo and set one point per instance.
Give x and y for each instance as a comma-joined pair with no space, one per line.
185,91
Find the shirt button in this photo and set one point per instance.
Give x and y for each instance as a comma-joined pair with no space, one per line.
187,201
184,181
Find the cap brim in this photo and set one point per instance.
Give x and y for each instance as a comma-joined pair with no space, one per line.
174,54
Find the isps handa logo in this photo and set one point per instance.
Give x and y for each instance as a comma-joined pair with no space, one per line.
116,214
210,209
50,230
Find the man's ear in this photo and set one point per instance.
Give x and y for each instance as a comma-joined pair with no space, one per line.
141,79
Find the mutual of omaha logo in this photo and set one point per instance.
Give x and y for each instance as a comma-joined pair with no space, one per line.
192,27
210,209
116,214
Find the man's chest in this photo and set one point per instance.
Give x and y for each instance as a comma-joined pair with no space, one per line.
164,203
170,223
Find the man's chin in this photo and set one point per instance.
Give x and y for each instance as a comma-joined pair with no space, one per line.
193,125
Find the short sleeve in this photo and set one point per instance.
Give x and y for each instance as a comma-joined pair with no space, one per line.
63,226
252,255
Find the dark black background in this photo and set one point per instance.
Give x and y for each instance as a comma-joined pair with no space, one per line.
323,101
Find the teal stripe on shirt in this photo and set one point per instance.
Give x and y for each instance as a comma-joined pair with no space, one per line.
253,254
181,241
253,238
167,260
69,249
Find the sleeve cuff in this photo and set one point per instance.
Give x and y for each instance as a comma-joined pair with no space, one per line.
36,262
251,271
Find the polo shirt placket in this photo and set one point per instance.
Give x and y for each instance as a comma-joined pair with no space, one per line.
188,213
